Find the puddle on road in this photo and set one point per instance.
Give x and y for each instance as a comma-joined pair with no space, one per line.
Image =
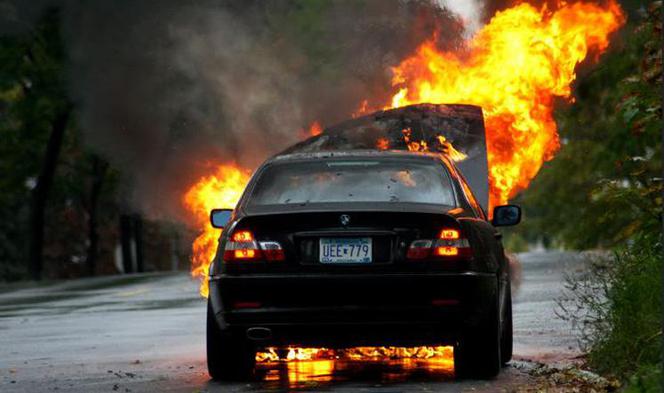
109,282
39,299
60,304
160,304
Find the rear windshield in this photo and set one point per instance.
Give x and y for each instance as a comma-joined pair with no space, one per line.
353,181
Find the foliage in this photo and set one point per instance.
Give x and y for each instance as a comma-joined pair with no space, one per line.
647,379
33,90
617,308
31,94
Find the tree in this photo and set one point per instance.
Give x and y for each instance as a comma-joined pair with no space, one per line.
54,196
37,114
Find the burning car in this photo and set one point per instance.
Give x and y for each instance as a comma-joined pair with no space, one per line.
361,237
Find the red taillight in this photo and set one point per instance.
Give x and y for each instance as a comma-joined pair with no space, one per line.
450,244
241,305
242,246
449,234
446,251
244,254
444,302
243,236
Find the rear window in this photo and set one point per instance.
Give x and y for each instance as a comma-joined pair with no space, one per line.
353,181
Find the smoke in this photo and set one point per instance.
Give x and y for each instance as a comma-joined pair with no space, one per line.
470,12
164,88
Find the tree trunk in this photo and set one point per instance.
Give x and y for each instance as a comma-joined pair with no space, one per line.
138,241
99,168
126,238
41,191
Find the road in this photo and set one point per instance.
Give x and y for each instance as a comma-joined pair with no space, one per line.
145,333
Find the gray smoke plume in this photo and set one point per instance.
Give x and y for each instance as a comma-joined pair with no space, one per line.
164,88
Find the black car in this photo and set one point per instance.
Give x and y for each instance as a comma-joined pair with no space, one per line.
360,248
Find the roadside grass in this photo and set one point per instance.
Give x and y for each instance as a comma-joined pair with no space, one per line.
646,379
634,313
616,307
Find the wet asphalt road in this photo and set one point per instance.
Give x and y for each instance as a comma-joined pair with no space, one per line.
145,333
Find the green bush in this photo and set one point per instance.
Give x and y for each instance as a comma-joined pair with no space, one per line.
616,307
633,317
647,379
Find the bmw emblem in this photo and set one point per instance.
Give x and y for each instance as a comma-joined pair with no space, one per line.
344,219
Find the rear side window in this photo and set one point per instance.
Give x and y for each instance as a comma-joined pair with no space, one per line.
353,181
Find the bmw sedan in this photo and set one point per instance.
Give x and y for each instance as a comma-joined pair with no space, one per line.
360,248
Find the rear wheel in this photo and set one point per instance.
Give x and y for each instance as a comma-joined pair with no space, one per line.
228,357
506,338
477,353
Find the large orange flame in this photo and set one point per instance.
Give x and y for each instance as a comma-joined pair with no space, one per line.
221,189
513,68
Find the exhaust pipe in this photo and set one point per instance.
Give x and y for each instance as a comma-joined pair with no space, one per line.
259,334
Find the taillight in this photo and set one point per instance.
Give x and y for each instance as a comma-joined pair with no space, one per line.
446,251
419,249
272,251
242,246
449,234
242,236
450,244
240,305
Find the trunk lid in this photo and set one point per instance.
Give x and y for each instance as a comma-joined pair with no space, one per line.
390,233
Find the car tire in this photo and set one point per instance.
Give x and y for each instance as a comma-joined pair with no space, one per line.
228,357
506,340
477,353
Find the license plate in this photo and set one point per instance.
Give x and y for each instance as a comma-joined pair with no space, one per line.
345,250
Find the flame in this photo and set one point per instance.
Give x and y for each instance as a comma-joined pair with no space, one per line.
221,189
362,109
315,128
449,150
382,144
413,145
444,146
514,69
358,353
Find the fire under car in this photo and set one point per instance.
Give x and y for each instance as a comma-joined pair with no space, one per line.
341,248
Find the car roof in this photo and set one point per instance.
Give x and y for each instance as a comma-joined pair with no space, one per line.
372,154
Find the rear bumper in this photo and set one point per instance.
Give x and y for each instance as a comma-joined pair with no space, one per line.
340,310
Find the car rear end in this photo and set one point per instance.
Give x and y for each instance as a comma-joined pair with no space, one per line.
345,251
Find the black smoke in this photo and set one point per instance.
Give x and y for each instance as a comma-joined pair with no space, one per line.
164,88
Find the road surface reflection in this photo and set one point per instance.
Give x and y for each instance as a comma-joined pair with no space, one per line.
307,374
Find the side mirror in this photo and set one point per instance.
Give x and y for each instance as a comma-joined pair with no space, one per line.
506,215
220,217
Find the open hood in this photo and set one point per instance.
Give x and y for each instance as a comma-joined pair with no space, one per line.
416,128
